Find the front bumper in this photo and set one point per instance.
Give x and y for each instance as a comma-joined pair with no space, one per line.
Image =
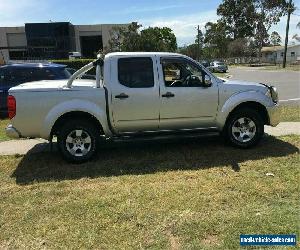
274,115
12,132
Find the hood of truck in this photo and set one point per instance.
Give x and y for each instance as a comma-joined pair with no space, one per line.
235,86
53,85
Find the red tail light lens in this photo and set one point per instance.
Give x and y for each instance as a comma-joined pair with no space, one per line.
11,105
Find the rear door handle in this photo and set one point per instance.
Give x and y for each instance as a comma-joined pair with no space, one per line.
122,96
1,91
168,95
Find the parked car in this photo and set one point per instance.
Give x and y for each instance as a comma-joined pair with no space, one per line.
140,95
84,76
218,66
14,74
74,55
205,63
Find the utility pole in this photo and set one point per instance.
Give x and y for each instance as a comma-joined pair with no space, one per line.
287,33
198,41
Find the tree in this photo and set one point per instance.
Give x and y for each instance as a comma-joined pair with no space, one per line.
150,39
238,16
296,36
194,50
268,13
251,18
275,38
190,50
216,40
158,39
238,47
290,8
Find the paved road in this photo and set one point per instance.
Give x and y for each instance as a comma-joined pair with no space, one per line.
287,82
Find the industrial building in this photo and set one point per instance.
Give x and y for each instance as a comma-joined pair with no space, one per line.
54,40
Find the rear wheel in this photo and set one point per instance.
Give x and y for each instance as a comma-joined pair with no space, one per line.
244,128
77,141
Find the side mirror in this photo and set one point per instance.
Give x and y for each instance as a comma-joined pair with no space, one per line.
207,81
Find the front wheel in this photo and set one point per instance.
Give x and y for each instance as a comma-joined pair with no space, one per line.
244,128
77,141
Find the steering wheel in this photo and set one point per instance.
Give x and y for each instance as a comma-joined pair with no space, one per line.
183,82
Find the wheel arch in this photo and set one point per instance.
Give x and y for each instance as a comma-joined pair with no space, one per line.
76,115
255,100
74,107
260,108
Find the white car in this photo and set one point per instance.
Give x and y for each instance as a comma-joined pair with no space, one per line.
74,55
219,67
137,95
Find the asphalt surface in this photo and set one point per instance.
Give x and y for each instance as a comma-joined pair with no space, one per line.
287,82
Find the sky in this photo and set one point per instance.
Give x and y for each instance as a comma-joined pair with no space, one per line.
182,16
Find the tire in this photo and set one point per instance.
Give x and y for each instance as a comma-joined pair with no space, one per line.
77,141
244,128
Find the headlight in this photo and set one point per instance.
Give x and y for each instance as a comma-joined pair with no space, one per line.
273,94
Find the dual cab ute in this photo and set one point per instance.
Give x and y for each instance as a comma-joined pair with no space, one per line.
136,95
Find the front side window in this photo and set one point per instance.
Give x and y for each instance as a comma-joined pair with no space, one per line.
136,72
182,73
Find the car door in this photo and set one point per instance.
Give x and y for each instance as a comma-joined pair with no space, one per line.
186,103
134,90
3,90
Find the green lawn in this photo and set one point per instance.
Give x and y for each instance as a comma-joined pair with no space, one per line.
270,67
194,194
279,67
290,114
3,124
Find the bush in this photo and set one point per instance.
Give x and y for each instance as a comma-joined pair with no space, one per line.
75,64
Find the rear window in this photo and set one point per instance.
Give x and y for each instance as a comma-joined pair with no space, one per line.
136,72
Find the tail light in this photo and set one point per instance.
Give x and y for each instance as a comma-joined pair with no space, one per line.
11,105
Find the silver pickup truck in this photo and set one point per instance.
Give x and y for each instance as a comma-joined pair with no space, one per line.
140,95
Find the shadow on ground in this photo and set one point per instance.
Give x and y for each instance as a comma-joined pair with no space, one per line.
146,158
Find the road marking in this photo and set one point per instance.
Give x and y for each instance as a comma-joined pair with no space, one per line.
295,99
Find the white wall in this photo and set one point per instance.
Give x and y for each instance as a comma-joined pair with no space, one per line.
11,36
289,58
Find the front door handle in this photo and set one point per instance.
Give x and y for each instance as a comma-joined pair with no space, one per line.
168,95
122,96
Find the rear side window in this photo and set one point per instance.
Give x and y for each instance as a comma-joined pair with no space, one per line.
136,72
20,75
39,74
3,77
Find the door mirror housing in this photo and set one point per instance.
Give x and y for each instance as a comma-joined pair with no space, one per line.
207,81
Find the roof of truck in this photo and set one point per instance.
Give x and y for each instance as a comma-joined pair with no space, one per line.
142,53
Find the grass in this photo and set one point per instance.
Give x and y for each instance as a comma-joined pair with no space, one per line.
279,67
194,194
290,114
3,124
269,67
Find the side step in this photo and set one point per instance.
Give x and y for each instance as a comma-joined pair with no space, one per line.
153,136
